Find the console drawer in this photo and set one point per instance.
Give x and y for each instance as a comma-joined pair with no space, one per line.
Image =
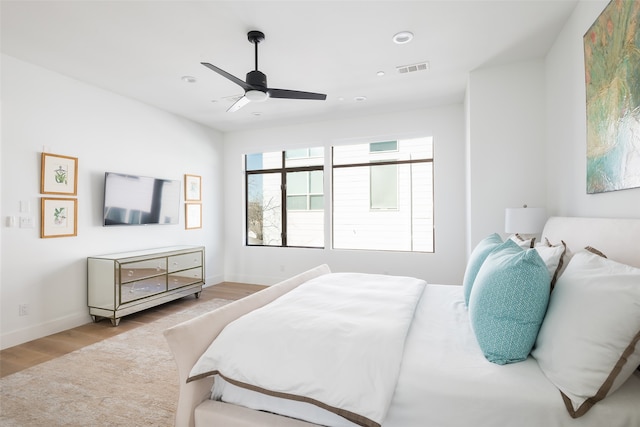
185,277
142,288
132,271
185,261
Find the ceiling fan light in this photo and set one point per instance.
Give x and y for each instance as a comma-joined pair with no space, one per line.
256,95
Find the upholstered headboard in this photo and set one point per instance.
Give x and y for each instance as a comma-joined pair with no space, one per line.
617,238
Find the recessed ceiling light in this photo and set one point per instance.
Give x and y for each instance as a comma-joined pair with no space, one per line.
189,79
380,73
403,37
360,98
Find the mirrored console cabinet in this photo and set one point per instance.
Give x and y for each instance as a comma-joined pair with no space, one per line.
125,283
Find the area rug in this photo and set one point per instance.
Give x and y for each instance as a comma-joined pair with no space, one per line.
130,379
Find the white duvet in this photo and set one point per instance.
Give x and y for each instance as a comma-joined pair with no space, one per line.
335,342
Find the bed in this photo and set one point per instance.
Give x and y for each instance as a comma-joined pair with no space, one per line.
444,375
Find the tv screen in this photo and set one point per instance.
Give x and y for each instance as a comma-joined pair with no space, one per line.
140,200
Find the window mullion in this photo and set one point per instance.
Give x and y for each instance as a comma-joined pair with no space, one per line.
283,203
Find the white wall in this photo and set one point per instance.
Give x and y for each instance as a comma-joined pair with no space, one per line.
505,144
526,137
566,133
519,138
106,132
268,265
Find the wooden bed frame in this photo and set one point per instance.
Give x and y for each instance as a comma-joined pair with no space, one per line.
617,238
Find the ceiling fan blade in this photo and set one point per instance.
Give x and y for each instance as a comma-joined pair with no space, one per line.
231,77
238,104
295,94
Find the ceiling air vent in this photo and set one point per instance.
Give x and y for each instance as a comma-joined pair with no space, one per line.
413,67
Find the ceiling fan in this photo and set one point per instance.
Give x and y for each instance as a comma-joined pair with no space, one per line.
255,87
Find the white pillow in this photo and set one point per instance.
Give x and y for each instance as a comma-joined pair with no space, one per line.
522,242
553,258
588,343
568,254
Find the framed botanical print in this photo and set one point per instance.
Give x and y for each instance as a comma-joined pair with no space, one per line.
58,174
192,188
59,217
193,215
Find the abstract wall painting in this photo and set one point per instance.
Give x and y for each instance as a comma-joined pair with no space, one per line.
612,77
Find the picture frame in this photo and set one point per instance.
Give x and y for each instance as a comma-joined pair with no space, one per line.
192,188
58,217
58,174
193,216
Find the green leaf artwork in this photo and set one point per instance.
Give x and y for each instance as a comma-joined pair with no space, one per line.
60,216
60,175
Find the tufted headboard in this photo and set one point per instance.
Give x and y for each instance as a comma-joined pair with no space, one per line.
617,238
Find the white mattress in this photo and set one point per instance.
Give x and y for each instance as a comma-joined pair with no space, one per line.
445,381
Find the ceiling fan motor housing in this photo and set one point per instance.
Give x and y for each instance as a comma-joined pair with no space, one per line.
257,79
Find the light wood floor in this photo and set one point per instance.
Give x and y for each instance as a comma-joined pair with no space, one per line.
23,356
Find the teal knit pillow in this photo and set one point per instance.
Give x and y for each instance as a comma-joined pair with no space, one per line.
477,257
508,302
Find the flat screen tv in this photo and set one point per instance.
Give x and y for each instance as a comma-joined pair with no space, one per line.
140,200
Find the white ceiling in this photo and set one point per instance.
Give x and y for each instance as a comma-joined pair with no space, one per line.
141,49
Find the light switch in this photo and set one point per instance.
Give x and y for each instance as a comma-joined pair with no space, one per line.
27,222
11,221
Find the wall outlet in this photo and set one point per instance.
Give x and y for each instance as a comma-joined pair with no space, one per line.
23,310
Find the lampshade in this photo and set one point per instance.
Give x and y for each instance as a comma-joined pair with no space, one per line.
524,220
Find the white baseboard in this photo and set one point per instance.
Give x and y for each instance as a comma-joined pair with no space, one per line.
213,280
71,321
40,330
257,279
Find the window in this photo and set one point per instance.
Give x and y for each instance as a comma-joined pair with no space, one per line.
305,190
383,196
285,198
383,186
383,146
